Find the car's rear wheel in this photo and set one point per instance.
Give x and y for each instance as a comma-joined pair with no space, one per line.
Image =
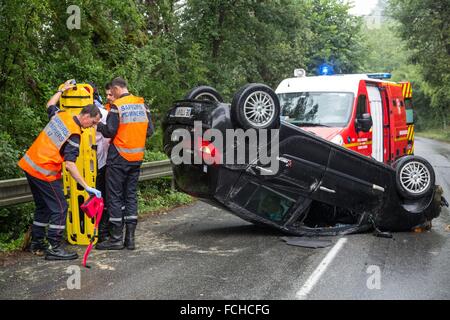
256,106
415,177
204,93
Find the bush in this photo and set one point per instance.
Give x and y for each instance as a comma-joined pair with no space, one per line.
156,195
14,222
154,156
8,157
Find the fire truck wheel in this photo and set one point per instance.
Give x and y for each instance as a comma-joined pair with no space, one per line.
256,106
204,93
415,177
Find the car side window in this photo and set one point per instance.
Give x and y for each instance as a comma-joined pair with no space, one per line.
362,105
269,204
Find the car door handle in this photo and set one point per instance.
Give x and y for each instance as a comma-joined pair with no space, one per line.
268,171
287,162
327,190
376,187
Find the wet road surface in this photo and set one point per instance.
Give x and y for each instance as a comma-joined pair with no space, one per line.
203,252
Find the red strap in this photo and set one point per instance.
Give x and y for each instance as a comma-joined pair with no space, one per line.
98,217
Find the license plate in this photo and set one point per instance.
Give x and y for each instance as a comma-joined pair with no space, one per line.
183,112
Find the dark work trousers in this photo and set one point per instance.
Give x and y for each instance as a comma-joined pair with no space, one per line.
100,184
121,187
51,210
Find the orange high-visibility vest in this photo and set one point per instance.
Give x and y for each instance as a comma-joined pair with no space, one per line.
43,159
107,106
132,132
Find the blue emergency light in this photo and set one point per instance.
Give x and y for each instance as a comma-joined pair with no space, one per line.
325,69
379,75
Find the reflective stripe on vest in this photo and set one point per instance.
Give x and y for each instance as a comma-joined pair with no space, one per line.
37,168
126,150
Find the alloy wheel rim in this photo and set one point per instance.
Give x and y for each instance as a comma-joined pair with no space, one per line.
415,177
259,109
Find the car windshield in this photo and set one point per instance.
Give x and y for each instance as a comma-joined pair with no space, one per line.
328,109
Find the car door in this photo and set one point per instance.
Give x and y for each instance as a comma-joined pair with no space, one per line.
302,159
352,181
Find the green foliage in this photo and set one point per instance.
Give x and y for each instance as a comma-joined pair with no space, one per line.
8,156
384,50
163,48
263,41
157,195
436,134
154,155
425,28
334,36
14,221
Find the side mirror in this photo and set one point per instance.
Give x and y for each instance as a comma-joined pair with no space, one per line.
363,122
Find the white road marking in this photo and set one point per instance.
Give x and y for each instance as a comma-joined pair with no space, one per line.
315,276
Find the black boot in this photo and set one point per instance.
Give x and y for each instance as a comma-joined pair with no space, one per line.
58,252
115,241
129,236
38,247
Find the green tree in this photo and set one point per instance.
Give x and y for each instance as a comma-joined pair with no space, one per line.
333,35
263,41
162,47
425,26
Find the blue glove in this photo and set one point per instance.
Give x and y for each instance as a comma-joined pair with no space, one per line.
97,193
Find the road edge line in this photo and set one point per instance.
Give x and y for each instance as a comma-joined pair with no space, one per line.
302,294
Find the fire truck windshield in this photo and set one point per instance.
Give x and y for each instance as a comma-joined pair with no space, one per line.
328,109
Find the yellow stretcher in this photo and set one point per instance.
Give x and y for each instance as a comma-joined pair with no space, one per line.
80,228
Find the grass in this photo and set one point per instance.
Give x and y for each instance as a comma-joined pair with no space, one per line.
157,195
436,134
154,196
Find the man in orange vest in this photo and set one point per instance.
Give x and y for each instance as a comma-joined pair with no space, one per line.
59,142
128,125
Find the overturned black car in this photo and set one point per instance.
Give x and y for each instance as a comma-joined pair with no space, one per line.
309,186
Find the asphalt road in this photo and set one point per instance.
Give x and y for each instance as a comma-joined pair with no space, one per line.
202,252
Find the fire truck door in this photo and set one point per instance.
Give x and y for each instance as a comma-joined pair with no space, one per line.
376,110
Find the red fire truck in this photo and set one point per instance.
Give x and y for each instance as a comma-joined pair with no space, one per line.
362,112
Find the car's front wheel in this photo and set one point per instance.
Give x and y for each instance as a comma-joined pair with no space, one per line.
415,177
256,106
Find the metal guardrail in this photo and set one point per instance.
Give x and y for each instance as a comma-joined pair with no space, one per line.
15,191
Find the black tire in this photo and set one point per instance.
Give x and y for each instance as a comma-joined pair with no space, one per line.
204,93
263,113
414,177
